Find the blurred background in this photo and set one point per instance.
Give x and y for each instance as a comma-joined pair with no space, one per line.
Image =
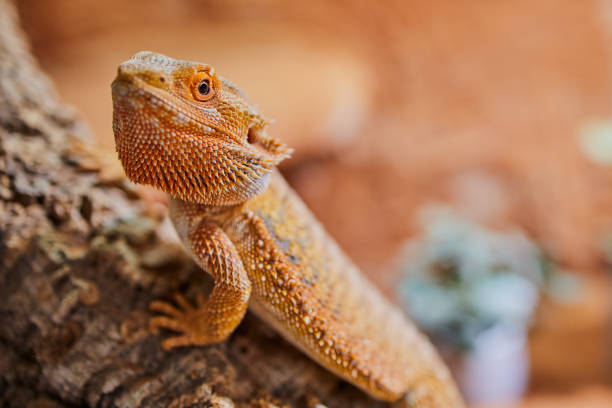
460,152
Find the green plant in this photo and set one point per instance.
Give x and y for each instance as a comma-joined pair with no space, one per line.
461,279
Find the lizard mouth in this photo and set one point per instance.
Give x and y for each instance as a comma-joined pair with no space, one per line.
270,150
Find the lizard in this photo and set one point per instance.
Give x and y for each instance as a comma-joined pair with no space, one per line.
184,129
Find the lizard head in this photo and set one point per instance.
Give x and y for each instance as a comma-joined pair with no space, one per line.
186,130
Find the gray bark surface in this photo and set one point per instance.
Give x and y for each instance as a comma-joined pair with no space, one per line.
79,263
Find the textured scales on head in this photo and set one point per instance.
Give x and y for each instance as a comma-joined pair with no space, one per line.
186,130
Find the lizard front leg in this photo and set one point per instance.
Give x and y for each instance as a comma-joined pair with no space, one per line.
215,318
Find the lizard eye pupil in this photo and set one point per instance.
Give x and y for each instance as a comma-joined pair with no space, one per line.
204,87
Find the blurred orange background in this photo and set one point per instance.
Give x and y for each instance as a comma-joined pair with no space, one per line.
393,105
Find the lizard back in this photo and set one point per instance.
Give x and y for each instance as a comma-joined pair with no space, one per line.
312,293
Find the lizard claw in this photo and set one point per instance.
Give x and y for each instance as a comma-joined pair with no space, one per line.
184,319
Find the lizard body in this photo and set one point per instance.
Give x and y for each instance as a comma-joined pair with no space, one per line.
184,129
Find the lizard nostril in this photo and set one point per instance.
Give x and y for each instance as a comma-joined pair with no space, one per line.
119,88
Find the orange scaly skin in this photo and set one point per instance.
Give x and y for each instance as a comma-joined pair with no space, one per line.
184,129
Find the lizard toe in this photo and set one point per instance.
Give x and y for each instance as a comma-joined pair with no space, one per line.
165,308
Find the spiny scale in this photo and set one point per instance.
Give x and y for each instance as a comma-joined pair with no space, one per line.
244,225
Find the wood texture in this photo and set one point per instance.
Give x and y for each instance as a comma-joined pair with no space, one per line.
80,262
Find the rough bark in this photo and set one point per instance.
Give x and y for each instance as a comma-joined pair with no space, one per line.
81,260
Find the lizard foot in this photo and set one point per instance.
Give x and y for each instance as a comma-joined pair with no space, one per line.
185,319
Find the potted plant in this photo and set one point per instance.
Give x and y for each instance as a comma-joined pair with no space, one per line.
474,292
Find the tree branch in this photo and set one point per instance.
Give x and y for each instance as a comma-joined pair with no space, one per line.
81,260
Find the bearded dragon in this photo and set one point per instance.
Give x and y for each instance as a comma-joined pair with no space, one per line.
184,129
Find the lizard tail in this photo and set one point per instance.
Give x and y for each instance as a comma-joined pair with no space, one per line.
431,391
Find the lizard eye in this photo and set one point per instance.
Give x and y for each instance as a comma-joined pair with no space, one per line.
204,87
201,87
